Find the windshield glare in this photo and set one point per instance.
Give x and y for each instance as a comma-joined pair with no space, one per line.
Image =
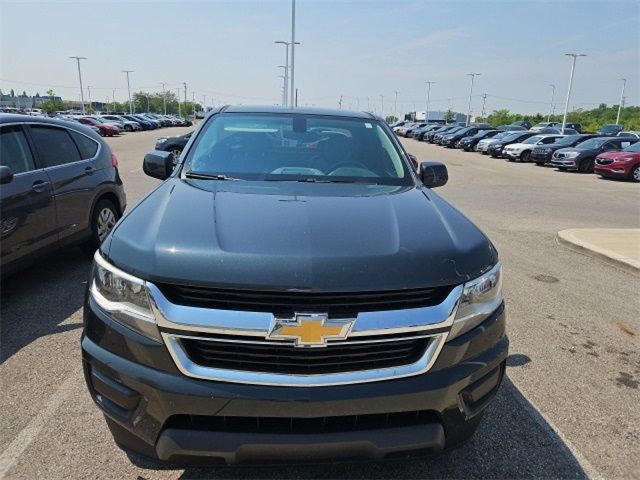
532,140
592,143
297,148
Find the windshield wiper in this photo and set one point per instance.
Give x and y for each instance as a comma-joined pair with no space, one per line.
209,176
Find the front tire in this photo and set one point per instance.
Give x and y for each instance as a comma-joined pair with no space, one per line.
128,128
635,174
104,217
525,156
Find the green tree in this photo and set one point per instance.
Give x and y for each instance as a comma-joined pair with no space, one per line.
52,105
449,116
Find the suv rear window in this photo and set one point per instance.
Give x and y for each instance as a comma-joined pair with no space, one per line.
88,147
54,145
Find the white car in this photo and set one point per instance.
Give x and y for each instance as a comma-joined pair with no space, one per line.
543,125
483,144
522,151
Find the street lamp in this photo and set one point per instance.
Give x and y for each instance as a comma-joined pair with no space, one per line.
164,97
129,89
293,52
566,105
284,80
473,76
80,78
553,94
395,105
624,84
426,112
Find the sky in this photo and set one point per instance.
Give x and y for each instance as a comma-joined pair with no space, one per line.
362,51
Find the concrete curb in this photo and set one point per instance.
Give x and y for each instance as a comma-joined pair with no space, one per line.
570,239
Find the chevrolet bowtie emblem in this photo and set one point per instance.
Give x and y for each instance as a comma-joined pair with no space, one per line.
310,329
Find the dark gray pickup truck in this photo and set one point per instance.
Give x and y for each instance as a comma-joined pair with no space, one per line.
293,290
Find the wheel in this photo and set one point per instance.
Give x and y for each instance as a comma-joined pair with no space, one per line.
586,166
635,173
128,128
525,156
104,217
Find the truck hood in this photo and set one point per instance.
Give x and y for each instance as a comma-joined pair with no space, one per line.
304,236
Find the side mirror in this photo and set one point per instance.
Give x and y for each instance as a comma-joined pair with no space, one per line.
6,175
414,161
159,164
433,174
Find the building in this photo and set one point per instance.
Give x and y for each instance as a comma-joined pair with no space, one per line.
24,101
435,116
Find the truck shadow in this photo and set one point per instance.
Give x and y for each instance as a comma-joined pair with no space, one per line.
513,441
36,301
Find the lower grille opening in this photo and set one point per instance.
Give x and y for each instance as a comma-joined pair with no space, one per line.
286,359
296,425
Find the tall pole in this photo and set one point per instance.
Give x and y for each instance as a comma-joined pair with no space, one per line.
113,97
147,95
426,110
624,84
129,89
284,81
178,97
566,105
90,103
340,103
473,76
286,71
382,106
80,78
164,97
395,105
185,98
484,101
293,52
553,95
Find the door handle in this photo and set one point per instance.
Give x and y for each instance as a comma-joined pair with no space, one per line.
39,186
89,170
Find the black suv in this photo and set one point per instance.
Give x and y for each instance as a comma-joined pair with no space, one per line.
293,290
542,154
60,185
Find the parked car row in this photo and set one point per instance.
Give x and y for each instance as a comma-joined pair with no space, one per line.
610,152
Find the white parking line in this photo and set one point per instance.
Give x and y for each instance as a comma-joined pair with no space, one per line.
12,453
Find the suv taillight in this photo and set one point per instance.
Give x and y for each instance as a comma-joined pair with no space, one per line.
114,160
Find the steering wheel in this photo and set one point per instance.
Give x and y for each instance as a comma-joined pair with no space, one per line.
348,163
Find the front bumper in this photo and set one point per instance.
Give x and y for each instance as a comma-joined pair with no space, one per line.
565,163
541,157
152,409
615,169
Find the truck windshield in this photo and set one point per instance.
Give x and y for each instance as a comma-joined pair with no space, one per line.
297,147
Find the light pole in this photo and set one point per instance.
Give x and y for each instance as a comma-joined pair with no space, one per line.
293,52
164,97
395,105
80,78
284,80
553,95
484,101
426,112
566,105
473,76
286,72
624,84
129,89
147,95
113,97
382,106
89,90
178,98
185,98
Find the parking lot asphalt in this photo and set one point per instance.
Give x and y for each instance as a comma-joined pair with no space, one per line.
569,405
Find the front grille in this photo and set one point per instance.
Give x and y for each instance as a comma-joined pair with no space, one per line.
301,426
287,359
289,302
603,161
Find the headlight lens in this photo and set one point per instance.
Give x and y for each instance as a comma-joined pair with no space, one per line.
479,299
571,154
123,298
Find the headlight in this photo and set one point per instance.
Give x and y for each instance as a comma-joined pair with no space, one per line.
571,154
123,298
479,299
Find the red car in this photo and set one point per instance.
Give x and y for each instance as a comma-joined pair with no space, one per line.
621,164
106,130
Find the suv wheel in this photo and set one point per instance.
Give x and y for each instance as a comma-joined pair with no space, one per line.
104,217
525,156
635,173
128,128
